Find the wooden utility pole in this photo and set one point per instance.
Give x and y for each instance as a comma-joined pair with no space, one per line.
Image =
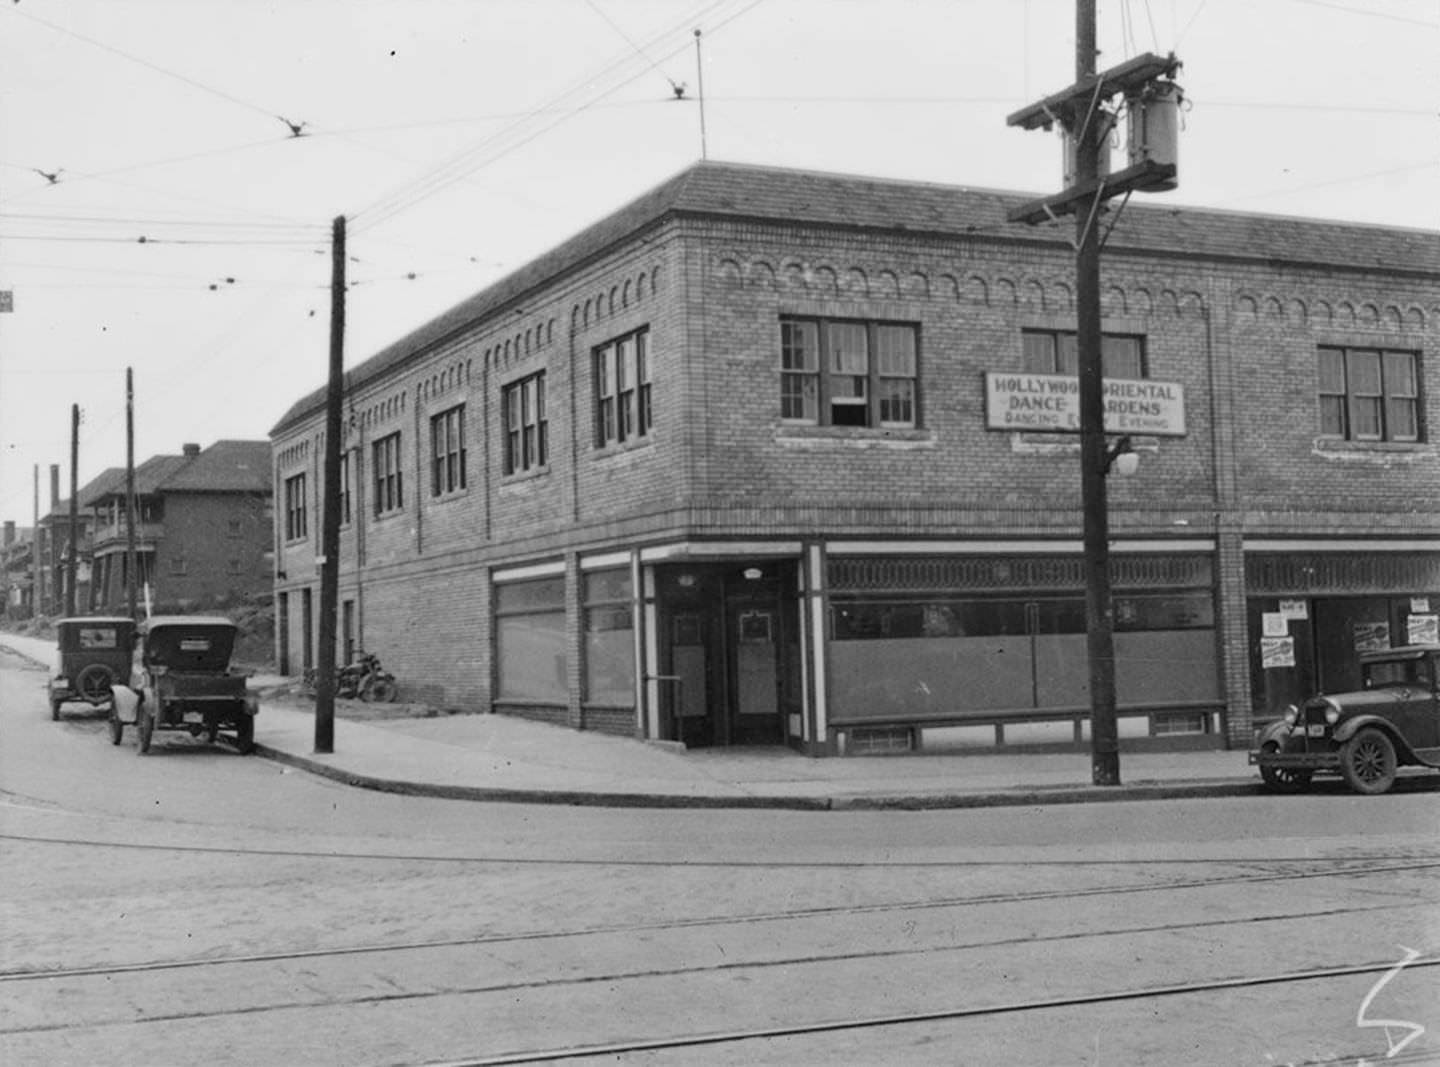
35,551
1078,109
1099,605
130,553
330,495
74,510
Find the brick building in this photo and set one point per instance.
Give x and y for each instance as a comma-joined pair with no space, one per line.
765,456
202,533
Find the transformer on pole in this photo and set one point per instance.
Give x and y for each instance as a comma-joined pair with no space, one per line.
1081,112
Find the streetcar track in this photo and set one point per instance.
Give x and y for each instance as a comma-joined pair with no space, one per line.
945,1015
1421,858
799,914
761,965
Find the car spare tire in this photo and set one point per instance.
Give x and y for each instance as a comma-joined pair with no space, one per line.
94,682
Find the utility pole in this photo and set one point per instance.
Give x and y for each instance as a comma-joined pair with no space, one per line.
1078,110
130,553
330,496
74,510
35,551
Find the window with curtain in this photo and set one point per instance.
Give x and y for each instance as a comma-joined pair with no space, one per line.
526,426
447,451
1368,394
1057,352
389,479
846,372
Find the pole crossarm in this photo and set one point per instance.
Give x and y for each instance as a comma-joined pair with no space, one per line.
1140,176
1069,103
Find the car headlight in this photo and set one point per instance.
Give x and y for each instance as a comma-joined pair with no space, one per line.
1291,714
1332,713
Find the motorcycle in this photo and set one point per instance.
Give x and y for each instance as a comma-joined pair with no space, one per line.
366,679
362,678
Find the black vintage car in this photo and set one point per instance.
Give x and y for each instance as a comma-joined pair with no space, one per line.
183,680
92,654
1392,721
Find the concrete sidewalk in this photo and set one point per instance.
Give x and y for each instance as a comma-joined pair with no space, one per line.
499,758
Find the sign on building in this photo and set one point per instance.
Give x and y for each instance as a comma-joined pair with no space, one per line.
1043,403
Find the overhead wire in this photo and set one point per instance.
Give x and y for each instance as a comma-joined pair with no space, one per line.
193,83
466,162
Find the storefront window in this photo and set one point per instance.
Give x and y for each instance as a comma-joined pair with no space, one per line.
609,639
530,641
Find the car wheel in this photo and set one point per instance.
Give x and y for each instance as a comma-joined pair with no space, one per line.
1284,779
117,728
1368,763
145,727
245,735
94,682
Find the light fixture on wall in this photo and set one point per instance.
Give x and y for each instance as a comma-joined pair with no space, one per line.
1122,458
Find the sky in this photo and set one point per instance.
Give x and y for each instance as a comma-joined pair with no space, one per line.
170,169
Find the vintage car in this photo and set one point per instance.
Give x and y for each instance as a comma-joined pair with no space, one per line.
1392,721
181,679
92,654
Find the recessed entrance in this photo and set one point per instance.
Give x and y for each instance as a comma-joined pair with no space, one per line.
729,651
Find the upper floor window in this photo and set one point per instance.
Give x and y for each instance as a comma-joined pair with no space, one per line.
447,451
622,389
1057,352
1368,394
296,513
389,479
526,427
843,372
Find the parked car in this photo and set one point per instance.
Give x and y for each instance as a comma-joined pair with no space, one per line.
183,680
92,654
1365,736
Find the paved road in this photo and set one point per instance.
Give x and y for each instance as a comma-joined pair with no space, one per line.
197,906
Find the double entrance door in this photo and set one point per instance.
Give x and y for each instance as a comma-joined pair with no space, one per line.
728,652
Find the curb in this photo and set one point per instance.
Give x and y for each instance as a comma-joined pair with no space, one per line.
1020,796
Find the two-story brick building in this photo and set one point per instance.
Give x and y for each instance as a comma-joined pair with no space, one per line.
764,457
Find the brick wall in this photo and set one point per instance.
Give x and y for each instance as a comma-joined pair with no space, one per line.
1238,336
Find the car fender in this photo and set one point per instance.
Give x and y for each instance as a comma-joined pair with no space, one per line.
1350,727
1278,731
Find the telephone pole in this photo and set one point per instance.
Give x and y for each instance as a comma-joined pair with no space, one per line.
74,511
131,560
1078,110
330,497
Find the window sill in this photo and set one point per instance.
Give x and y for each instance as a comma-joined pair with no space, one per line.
624,447
1340,448
521,477
863,437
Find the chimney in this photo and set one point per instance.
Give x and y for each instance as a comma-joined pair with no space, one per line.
9,532
191,450
54,487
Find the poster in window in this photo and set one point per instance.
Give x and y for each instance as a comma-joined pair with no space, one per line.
1295,609
755,626
1423,630
1372,636
1277,652
1275,624
1420,605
